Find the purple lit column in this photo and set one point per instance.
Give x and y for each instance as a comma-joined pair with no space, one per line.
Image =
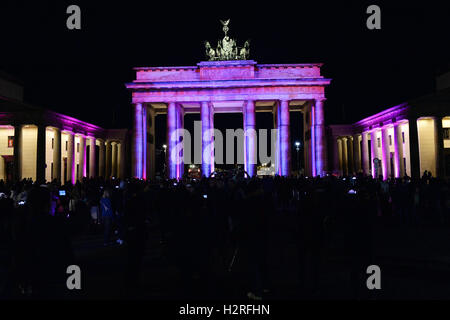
398,150
276,125
137,143
211,126
71,164
206,139
365,153
250,138
319,133
144,142
171,140
373,151
385,163
82,157
92,161
180,139
285,147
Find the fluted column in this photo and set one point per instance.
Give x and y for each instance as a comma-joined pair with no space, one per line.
82,158
385,162
320,141
398,152
373,151
171,139
365,153
57,155
71,164
250,138
211,127
17,153
151,152
138,143
345,155
101,159
285,147
114,159
206,139
414,148
179,140
40,153
341,156
92,161
356,154
108,161
275,113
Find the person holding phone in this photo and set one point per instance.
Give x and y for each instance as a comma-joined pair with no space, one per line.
107,216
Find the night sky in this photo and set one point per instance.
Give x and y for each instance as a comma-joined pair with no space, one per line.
82,72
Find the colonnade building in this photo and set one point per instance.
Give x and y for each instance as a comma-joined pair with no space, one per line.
407,139
40,144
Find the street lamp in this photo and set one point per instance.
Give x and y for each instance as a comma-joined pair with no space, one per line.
297,147
165,158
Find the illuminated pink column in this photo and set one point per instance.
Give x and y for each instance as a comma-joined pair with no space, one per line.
92,161
180,155
313,143
398,149
250,138
211,126
385,163
144,142
82,157
206,138
365,153
171,139
285,147
320,142
138,143
71,164
373,150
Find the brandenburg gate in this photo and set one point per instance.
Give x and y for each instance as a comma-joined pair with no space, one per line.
229,83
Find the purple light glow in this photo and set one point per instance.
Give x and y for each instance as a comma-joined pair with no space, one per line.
138,141
313,143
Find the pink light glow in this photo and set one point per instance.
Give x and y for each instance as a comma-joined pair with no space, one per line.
313,143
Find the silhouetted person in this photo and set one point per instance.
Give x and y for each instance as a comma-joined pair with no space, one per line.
43,250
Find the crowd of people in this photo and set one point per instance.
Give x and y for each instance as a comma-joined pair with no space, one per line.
207,226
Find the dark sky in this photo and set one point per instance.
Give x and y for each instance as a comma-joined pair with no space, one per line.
82,73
